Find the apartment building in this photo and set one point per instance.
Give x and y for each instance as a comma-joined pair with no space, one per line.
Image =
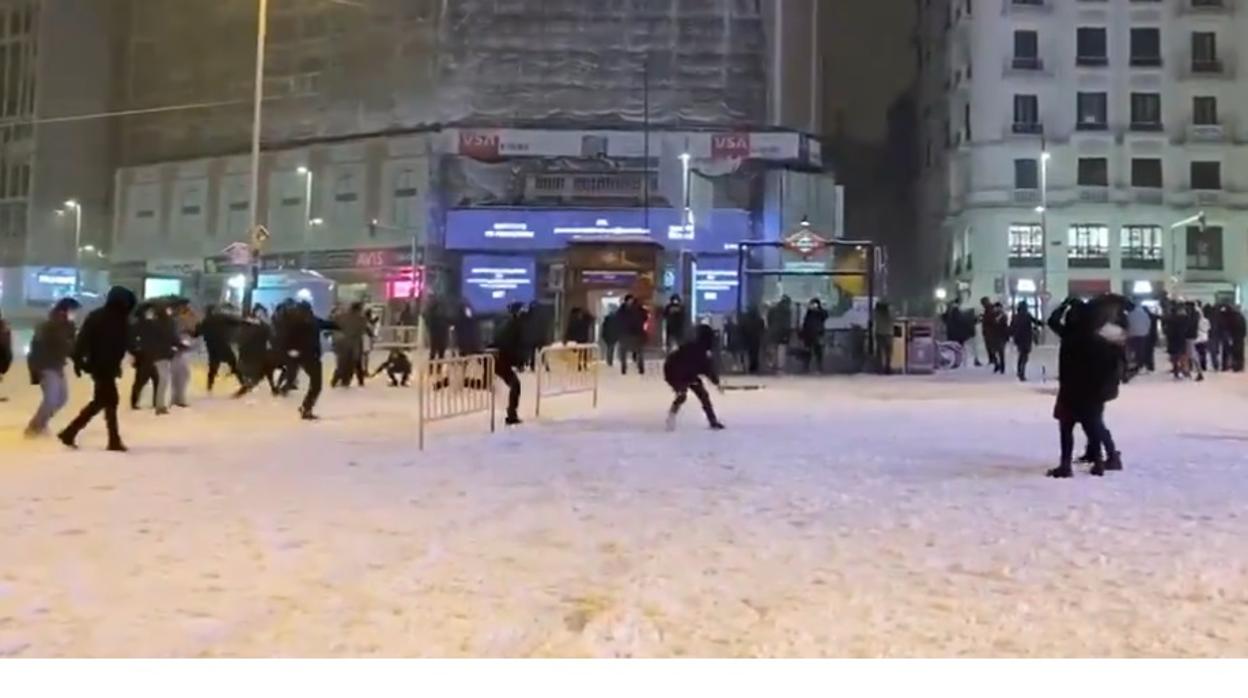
1066,142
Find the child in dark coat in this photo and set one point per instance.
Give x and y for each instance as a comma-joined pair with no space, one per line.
683,371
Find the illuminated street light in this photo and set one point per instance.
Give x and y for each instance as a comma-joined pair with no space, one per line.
316,221
73,205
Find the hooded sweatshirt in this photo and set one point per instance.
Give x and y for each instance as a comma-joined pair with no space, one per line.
102,342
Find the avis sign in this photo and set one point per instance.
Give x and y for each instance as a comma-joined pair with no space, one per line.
479,145
730,146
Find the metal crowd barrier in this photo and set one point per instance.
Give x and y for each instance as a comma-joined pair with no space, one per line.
567,370
396,337
449,388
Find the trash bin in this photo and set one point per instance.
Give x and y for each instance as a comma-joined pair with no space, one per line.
920,346
901,329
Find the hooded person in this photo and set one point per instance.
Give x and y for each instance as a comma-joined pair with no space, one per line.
98,351
256,361
1022,331
50,349
153,341
675,318
304,349
683,370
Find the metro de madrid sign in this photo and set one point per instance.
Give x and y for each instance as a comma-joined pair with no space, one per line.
806,242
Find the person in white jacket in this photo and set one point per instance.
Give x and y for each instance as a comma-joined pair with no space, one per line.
1201,360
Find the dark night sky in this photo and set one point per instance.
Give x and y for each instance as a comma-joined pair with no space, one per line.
869,60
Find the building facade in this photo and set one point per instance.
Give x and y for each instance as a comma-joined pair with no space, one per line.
1063,140
480,135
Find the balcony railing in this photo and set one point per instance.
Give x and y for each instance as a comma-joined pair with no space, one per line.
1142,258
1028,128
1146,61
1207,66
1152,126
1027,63
1206,133
1092,61
1205,7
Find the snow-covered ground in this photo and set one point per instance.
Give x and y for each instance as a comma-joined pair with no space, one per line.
846,517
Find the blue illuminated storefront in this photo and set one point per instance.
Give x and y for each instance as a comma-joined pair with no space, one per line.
526,244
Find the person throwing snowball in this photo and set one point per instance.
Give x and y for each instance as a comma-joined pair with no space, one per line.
683,370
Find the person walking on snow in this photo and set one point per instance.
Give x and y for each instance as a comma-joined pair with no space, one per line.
610,334
683,370
304,349
812,334
50,349
632,317
1139,325
98,351
349,341
1022,330
185,322
216,330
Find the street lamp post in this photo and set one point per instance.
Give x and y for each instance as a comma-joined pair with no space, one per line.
262,25
1043,209
74,206
307,194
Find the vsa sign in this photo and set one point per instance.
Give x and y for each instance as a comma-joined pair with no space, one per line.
730,146
479,145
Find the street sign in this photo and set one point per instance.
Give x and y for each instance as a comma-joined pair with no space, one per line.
259,237
238,253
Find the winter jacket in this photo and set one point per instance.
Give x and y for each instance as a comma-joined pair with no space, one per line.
611,327
1023,329
674,318
52,345
632,319
779,321
692,360
216,329
883,322
467,334
509,341
534,326
155,337
304,333
439,328
1139,321
752,327
253,347
1088,370
102,341
580,327
353,328
813,328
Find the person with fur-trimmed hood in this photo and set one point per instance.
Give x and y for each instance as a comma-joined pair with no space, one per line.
50,349
683,370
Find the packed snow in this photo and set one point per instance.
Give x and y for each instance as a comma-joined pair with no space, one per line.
860,516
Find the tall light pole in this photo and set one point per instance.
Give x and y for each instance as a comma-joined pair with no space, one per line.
1043,210
73,205
262,27
307,195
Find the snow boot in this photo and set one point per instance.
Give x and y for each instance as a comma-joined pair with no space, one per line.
717,425
1114,462
1061,471
1098,469
306,415
162,411
67,439
118,447
513,420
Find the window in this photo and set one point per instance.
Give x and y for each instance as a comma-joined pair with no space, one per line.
1026,173
1145,111
1205,111
1090,46
1146,47
1091,107
1204,247
1088,242
1206,175
1026,241
1205,53
1026,50
1093,172
1146,173
1026,114
1141,247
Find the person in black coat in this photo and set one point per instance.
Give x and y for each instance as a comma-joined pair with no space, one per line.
439,327
753,331
813,332
580,327
1023,328
1236,328
675,318
467,333
50,350
632,318
99,350
610,334
256,360
6,351
217,329
1088,375
683,370
304,342
510,352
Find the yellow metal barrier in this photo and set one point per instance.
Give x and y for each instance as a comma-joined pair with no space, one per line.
449,388
567,370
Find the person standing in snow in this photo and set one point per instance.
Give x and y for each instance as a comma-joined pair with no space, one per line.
1139,325
185,322
610,334
1236,329
256,361
683,370
883,325
50,349
98,351
812,334
1203,327
1088,374
632,318
349,340
1022,330
438,326
780,327
753,331
510,349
